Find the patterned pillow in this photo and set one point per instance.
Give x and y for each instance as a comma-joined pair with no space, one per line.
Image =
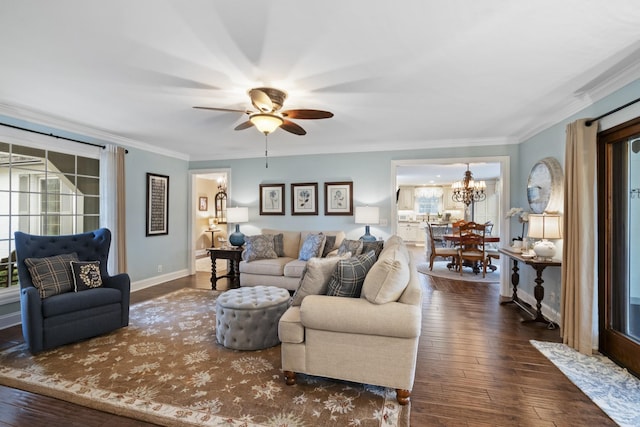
51,275
353,246
373,246
258,247
315,278
349,275
86,275
312,246
328,245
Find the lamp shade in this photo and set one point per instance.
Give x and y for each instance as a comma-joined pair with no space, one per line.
367,215
237,215
266,122
545,226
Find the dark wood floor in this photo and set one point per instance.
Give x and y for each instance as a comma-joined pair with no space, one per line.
475,368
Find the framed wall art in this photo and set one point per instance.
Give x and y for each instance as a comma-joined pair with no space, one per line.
338,198
157,204
304,199
271,199
203,204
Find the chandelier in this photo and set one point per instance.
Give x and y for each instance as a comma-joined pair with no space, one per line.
467,190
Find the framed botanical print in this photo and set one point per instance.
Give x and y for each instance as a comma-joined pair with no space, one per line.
271,199
157,204
338,198
304,199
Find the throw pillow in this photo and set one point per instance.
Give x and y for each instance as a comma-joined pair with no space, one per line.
375,246
349,275
329,243
258,247
353,246
386,280
315,278
312,246
86,275
51,275
278,244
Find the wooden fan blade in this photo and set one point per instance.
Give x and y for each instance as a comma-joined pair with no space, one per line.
244,125
224,109
261,100
307,114
293,128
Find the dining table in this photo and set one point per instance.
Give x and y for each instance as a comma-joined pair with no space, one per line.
455,238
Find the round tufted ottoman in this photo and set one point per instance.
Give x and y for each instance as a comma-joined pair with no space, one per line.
247,318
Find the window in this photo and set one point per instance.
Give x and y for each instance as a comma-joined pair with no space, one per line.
428,200
44,192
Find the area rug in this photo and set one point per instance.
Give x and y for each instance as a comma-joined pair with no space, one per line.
609,386
440,270
166,368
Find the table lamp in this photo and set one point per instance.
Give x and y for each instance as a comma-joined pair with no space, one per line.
545,226
237,215
367,215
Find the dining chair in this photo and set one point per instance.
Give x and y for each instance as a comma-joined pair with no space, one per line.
472,247
438,251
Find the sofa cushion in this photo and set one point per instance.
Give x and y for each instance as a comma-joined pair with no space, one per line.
267,267
375,246
312,246
51,275
295,268
258,247
86,275
349,274
387,279
315,278
353,246
69,302
290,239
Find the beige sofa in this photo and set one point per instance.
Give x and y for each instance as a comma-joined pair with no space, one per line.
354,339
283,272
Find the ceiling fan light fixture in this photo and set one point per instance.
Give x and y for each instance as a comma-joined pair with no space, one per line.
266,122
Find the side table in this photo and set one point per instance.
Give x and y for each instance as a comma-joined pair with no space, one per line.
234,255
538,291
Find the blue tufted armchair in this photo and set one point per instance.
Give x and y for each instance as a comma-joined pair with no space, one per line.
70,316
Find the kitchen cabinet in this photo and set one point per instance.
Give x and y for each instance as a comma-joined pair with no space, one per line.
406,198
410,231
448,202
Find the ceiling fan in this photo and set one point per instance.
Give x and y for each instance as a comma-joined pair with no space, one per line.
268,101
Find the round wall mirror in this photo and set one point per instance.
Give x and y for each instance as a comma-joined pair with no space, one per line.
544,188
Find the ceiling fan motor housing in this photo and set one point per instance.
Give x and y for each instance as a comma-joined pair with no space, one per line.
276,96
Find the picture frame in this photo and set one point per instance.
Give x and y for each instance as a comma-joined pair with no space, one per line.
203,204
271,199
338,198
304,198
157,221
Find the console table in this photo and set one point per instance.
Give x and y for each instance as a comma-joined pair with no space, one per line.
538,291
234,255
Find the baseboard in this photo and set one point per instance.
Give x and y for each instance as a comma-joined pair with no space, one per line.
156,280
547,311
10,319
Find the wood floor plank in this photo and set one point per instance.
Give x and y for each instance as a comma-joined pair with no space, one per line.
475,367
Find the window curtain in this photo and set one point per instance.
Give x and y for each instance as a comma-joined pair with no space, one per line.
578,326
112,205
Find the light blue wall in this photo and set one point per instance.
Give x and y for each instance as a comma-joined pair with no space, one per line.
145,253
551,142
369,172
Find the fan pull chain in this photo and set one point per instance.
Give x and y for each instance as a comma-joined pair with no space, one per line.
266,155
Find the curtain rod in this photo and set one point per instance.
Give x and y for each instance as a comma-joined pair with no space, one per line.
608,113
56,136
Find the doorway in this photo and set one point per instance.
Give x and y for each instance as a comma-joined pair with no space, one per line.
619,273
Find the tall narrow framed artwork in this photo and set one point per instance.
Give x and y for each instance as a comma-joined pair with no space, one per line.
271,199
338,198
157,205
304,199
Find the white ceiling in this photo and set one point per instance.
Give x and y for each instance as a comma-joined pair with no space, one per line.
410,74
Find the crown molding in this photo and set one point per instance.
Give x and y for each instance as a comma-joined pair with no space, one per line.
46,119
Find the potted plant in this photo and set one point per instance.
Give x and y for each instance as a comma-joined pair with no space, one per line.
523,218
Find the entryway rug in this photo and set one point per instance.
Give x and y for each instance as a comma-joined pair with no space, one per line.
440,270
609,386
167,368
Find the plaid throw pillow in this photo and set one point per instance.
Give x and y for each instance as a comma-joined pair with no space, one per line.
348,277
51,275
86,275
